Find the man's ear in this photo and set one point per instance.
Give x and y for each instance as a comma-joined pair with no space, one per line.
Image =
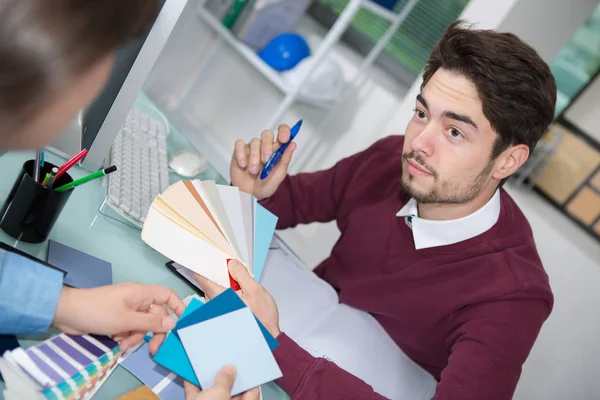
510,160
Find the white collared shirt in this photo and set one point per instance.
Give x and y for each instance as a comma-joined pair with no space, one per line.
428,233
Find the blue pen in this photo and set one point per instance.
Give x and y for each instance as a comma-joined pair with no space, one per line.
276,157
43,159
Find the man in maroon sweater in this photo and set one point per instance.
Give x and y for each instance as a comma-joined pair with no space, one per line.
431,246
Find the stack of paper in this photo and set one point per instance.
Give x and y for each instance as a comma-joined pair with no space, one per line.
63,367
206,338
202,225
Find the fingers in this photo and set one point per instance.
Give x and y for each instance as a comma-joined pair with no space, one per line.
253,394
131,341
159,295
144,322
157,338
241,275
210,288
281,170
266,147
121,336
283,134
225,378
191,390
240,153
156,341
255,156
287,156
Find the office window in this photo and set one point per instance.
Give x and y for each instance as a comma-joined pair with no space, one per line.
407,52
577,62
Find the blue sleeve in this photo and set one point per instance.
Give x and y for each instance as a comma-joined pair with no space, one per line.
29,293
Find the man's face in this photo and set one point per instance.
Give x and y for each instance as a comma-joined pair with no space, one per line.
447,150
45,127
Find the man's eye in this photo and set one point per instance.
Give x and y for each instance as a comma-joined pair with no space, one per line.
455,133
420,114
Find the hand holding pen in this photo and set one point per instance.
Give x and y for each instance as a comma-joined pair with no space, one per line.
267,157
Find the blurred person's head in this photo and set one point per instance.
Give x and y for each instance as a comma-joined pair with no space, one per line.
55,57
486,100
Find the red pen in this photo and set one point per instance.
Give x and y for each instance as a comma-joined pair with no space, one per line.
67,166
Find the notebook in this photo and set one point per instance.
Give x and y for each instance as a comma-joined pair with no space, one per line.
64,367
202,226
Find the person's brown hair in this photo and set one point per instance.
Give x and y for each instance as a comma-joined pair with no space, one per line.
515,85
46,43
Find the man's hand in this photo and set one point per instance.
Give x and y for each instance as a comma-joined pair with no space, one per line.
249,159
221,390
252,293
126,310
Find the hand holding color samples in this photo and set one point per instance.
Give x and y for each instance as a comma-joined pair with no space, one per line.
126,310
249,159
221,390
252,293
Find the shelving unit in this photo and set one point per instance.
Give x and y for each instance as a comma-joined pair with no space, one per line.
252,58
294,94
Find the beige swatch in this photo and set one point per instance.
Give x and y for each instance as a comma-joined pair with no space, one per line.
179,199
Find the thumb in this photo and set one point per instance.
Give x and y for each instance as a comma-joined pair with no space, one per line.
211,289
240,274
281,170
147,322
225,378
287,155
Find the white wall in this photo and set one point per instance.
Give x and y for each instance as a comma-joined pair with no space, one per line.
585,112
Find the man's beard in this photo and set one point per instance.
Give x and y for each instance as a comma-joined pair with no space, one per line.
444,191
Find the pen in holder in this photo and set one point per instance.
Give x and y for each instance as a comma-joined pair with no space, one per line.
31,209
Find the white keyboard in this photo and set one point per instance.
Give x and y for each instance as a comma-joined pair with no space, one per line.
140,154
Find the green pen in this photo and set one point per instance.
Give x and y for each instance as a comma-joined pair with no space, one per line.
88,178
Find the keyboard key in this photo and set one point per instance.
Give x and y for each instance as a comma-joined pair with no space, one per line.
140,153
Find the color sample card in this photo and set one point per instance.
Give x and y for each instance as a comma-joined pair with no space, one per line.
201,225
234,338
164,383
264,229
83,271
172,354
62,367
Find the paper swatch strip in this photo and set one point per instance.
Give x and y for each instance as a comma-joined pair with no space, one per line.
63,367
201,225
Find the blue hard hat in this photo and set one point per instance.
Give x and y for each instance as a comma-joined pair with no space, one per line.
285,51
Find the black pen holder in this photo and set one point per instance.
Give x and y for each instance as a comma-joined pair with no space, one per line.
31,209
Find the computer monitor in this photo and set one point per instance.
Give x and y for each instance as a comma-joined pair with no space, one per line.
96,127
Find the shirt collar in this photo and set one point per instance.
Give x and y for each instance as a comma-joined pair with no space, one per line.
427,233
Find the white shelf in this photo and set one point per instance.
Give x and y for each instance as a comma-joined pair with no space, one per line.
380,11
251,57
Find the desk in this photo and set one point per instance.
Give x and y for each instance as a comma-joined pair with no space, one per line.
84,228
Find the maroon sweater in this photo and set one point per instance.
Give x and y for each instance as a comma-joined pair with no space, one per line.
468,313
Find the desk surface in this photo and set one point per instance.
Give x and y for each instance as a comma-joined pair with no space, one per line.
84,228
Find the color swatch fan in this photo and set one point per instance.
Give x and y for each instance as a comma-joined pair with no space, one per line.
64,367
201,226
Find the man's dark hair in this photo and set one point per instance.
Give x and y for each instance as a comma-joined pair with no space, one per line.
44,44
515,85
